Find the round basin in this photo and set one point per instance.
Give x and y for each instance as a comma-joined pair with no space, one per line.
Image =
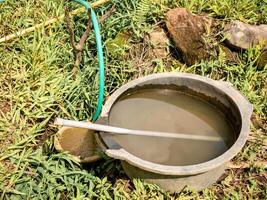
181,103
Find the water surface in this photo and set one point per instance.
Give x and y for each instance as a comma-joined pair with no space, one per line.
170,111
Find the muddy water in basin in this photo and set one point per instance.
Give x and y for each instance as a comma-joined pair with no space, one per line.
170,111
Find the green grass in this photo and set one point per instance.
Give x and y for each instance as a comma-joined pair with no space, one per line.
37,85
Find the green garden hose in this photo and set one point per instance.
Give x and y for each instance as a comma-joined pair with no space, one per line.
100,58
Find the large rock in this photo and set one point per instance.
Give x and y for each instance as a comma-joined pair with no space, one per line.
188,32
244,36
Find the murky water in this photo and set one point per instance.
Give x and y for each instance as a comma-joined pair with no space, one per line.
170,111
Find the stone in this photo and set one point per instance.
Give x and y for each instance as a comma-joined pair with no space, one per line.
188,32
158,41
240,35
154,46
243,36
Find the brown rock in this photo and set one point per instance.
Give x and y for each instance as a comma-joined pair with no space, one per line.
158,41
244,36
188,31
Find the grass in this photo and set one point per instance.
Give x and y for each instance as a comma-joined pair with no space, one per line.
37,85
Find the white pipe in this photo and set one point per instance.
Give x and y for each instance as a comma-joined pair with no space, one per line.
124,131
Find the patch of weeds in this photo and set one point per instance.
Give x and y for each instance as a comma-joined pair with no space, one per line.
243,184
